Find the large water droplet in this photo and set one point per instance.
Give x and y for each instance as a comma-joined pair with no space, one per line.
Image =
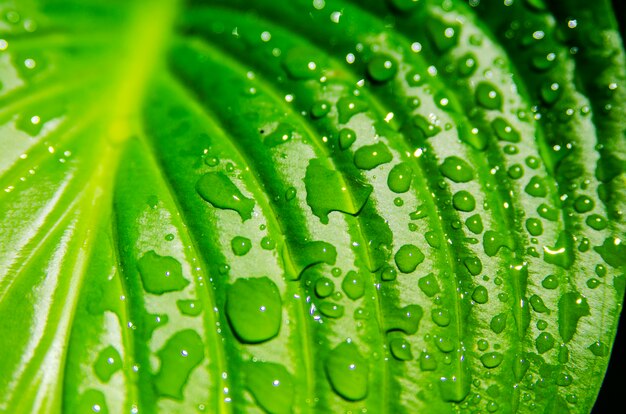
599,349
348,372
488,96
382,68
271,385
498,323
544,342
613,252
253,308
399,178
463,201
353,285
406,319
408,257
347,107
324,287
457,169
328,191
428,284
504,131
189,307
240,245
219,190
108,363
572,307
491,359
331,310
427,362
346,138
562,254
179,356
536,187
480,295
441,316
400,349
369,157
160,274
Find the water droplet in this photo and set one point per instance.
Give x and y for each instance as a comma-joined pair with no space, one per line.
271,385
599,349
427,362
426,127
463,201
474,224
572,307
563,379
596,222
267,243
303,255
432,238
240,245
544,342
613,252
353,285
408,257
348,372
253,308
219,190
179,356
282,134
520,366
160,274
491,359
331,310
538,305
562,254
189,307
536,187
493,242
92,401
290,194
593,283
320,109
400,349
324,287
550,92
443,35
467,65
534,227
428,284
515,171
455,388
504,131
441,316
498,323
406,319
299,65
328,191
347,107
108,363
371,156
399,178
346,138
382,68
388,273
547,212
480,295
583,204
473,265
456,169
488,96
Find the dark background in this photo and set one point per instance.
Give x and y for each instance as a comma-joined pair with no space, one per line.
614,386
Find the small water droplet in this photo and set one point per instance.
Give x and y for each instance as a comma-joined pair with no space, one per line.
488,96
399,178
400,349
353,285
371,156
240,245
428,284
408,257
480,295
189,307
491,359
544,342
457,169
463,201
108,363
382,68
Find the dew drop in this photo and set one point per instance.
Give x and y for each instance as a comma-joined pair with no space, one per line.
182,352
572,307
488,96
217,189
108,363
240,245
498,323
347,107
504,131
428,284
457,169
382,68
491,359
544,342
189,307
331,310
599,349
406,319
408,257
324,287
427,362
161,274
534,227
400,349
348,372
271,385
353,285
441,316
346,138
253,308
463,201
399,178
369,157
474,224
536,187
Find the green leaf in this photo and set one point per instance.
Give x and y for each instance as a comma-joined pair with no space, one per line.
309,206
